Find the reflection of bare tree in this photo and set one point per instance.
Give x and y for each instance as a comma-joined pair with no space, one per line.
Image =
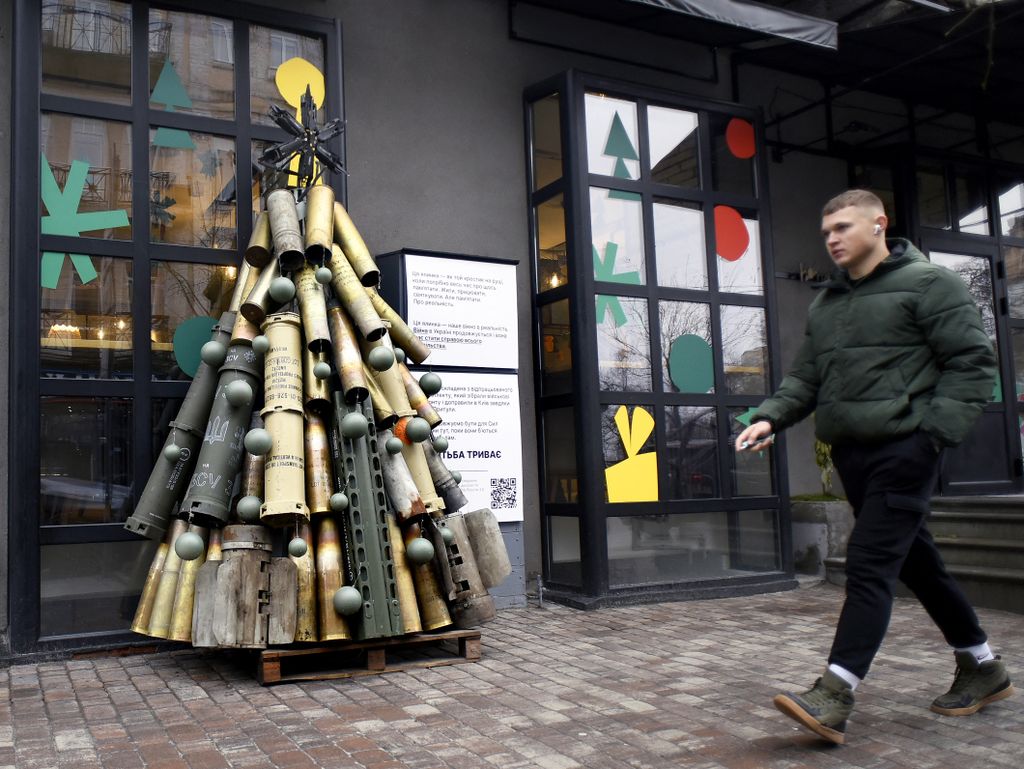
976,274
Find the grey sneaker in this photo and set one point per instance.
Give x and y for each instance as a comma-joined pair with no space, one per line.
975,685
823,709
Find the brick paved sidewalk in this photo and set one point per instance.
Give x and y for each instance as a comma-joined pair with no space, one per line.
668,685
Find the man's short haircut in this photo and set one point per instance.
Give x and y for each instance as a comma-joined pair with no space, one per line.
859,198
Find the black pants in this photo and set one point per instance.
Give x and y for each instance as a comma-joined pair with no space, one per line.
889,486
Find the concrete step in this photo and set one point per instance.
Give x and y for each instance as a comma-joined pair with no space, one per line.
984,504
981,552
977,524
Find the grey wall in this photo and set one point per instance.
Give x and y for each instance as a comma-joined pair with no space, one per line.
5,271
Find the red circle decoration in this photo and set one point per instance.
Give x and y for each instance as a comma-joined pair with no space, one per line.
739,137
731,236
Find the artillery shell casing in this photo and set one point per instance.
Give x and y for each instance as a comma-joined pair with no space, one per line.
417,462
319,477
355,249
143,612
245,330
180,628
313,308
352,295
443,480
305,605
390,381
251,479
316,392
259,250
213,547
398,482
401,334
404,584
319,224
282,363
433,609
328,579
257,304
417,398
472,605
284,230
488,546
384,415
347,358
163,603
284,498
240,292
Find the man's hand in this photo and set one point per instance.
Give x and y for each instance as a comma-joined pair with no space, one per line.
757,437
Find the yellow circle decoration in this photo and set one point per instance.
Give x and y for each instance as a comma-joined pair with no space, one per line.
292,78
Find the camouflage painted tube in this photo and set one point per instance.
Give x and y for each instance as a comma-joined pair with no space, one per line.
347,358
355,249
417,398
401,334
284,230
353,297
313,308
319,224
259,250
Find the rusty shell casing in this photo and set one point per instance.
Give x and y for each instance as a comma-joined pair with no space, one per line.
417,398
143,612
252,469
214,551
319,224
384,414
347,358
284,230
246,537
443,480
284,483
328,579
305,605
259,251
398,482
390,380
239,292
258,303
316,392
181,613
433,609
169,480
282,363
313,308
417,462
472,604
353,297
401,334
355,249
244,330
404,585
492,559
210,492
163,602
319,476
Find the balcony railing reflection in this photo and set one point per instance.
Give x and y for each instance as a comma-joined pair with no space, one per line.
70,27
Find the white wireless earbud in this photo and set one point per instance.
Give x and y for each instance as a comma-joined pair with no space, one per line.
878,229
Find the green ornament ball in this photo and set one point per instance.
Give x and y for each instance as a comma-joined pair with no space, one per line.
430,383
297,547
249,509
213,354
338,501
393,445
172,453
260,344
440,444
354,426
282,290
419,551
457,476
381,358
239,393
447,535
189,546
400,355
323,275
417,430
322,370
258,441
347,600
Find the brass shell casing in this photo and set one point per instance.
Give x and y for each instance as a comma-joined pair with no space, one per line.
347,358
163,602
244,330
390,381
214,550
353,297
384,415
284,230
355,249
259,250
319,223
319,476
258,302
398,482
282,364
252,468
284,485
313,308
316,392
417,398
305,605
417,462
181,613
328,579
433,609
403,580
143,612
401,334
239,292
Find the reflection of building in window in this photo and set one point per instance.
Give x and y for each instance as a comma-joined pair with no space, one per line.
96,26
223,50
282,47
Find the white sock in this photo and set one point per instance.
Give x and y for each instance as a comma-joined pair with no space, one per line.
846,675
981,652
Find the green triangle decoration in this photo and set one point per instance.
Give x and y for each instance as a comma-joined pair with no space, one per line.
746,416
618,144
169,89
173,138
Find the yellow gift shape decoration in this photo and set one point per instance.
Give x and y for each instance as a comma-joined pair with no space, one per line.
635,478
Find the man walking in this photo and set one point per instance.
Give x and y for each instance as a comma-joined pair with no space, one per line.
896,366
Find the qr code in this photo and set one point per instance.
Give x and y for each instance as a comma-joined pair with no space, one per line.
503,493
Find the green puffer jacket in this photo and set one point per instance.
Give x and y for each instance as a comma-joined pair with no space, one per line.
901,349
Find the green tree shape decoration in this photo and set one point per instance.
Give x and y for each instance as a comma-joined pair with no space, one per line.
64,218
170,92
621,148
604,269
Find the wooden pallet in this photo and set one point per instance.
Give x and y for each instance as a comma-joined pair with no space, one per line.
348,659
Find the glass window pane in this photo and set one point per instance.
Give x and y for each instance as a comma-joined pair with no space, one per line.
612,148
617,234
192,192
187,300
932,204
564,563
87,50
738,245
163,411
556,348
623,343
191,68
751,471
552,264
86,185
939,129
85,460
560,479
1011,207
547,141
1013,256
89,588
85,329
1017,339
733,147
687,359
262,182
1006,141
745,350
679,244
972,202
691,439
631,462
672,135
269,83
